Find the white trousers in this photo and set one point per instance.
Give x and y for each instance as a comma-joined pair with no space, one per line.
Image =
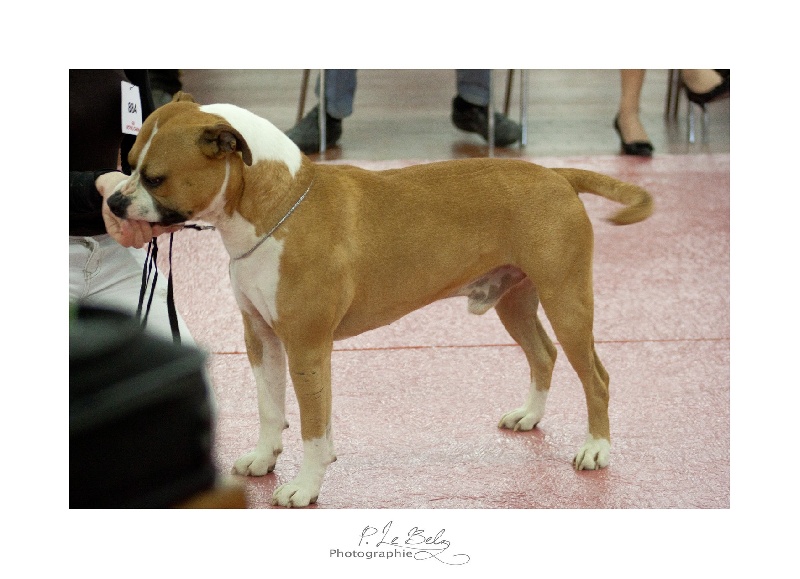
103,273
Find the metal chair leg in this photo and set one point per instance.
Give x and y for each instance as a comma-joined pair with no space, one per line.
705,125
523,101
322,111
509,85
674,90
303,90
676,83
668,100
692,123
523,106
490,111
673,94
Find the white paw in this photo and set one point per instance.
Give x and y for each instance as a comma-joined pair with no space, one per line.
520,419
295,494
256,463
594,454
304,488
529,415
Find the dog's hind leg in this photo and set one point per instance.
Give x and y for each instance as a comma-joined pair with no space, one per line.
517,309
310,368
570,309
268,362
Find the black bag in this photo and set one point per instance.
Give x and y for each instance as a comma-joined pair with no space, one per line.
140,420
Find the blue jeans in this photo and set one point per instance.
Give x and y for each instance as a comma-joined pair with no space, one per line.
472,85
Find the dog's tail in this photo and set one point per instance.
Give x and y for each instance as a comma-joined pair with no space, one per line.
639,202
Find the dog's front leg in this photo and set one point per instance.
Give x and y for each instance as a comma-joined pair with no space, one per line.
310,368
268,360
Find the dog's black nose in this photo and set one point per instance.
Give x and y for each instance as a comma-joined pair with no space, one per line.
118,204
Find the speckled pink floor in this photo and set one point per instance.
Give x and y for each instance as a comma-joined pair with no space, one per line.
416,404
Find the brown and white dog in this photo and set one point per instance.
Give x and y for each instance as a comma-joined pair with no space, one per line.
324,252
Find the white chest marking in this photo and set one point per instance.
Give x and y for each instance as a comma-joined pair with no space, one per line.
255,280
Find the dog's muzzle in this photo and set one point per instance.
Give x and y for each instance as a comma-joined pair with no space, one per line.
119,204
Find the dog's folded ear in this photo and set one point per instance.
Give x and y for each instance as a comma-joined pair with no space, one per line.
222,139
181,96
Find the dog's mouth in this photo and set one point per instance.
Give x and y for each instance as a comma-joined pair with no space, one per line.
120,204
171,217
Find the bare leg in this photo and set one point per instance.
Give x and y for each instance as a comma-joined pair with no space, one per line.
631,82
701,80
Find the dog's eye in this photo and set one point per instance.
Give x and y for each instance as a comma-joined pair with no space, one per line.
152,182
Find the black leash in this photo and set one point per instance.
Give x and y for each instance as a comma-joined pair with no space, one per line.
173,315
150,267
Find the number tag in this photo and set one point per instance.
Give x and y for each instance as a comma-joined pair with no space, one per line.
131,109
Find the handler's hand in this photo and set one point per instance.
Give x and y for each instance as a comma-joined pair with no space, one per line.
127,232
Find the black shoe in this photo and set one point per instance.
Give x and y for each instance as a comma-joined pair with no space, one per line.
305,134
638,148
475,119
719,92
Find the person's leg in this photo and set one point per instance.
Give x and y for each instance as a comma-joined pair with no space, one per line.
164,84
81,265
472,85
627,122
470,109
701,80
105,274
706,85
340,89
631,82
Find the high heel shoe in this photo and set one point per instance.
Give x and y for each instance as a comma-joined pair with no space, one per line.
719,92
637,148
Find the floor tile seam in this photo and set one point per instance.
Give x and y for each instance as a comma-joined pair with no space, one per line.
666,157
505,345
514,345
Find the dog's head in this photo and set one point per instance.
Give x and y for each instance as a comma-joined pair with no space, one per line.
182,160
